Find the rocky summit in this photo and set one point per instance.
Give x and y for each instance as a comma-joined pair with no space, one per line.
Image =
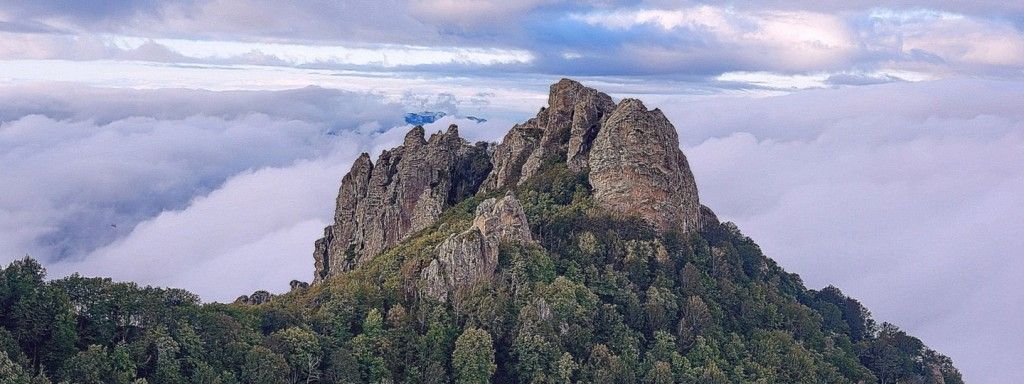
382,203
630,154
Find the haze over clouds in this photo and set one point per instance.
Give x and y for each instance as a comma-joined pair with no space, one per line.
874,145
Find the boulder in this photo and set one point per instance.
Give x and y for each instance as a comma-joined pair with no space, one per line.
468,258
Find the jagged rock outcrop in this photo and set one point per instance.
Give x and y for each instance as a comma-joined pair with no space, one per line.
256,298
561,131
707,216
632,155
467,258
380,204
636,168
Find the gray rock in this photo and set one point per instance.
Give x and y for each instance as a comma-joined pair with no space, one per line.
563,131
632,155
637,169
380,204
468,258
256,298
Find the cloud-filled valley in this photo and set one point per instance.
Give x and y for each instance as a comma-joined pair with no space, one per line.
872,145
224,192
83,168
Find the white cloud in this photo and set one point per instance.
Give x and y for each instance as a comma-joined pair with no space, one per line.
904,195
788,40
83,167
254,232
377,55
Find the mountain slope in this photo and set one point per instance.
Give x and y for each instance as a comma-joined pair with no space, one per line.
574,251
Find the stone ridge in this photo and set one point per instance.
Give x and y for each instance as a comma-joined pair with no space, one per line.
380,204
470,257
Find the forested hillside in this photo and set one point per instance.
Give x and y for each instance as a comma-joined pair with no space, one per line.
576,251
597,299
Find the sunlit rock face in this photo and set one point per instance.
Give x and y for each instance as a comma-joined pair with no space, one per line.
636,168
562,131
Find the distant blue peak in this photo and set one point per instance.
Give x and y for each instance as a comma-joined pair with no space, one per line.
420,118
426,117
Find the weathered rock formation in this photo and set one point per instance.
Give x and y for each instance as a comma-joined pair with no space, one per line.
631,154
380,204
563,130
467,258
636,168
256,298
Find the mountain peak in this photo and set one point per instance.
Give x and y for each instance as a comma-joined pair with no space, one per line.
630,155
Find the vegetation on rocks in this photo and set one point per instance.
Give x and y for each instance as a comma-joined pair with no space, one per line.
597,299
448,262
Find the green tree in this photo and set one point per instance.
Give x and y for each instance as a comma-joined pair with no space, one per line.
660,373
473,358
660,309
300,349
369,349
11,372
91,366
263,366
603,366
567,368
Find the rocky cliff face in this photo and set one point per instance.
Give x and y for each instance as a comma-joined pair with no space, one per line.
630,154
379,204
636,168
470,257
563,130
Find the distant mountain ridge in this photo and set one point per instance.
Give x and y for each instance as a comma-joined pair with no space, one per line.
427,117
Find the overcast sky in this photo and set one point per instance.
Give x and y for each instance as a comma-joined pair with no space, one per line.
874,145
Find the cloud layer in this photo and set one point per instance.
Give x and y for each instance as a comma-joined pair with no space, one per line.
81,169
904,195
890,191
875,145
900,40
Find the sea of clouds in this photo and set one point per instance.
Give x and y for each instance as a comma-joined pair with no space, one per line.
905,195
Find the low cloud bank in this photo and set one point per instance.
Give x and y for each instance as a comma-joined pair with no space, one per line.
82,167
906,196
